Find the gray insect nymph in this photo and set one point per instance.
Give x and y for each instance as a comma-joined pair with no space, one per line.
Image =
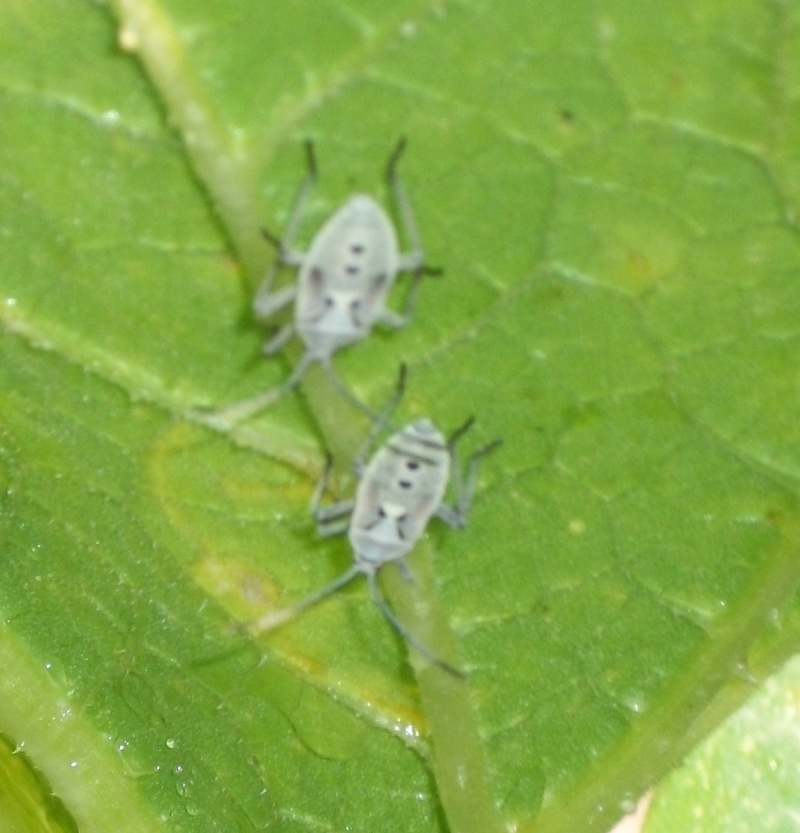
343,282
401,488
398,492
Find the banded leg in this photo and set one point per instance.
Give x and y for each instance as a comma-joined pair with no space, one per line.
409,637
276,618
463,485
248,407
263,306
334,519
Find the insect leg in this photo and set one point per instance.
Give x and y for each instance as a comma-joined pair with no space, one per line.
267,303
395,320
405,571
331,528
248,407
325,516
423,649
315,506
279,339
276,618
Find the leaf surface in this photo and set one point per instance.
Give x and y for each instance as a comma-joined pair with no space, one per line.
612,196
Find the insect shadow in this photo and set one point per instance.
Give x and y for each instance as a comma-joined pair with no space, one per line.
342,285
400,488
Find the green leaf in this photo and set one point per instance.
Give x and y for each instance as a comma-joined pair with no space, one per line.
612,196
744,776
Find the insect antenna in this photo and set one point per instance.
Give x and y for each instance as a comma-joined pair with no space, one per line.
403,203
391,165
271,238
415,261
283,245
463,483
298,209
468,488
459,432
382,420
409,637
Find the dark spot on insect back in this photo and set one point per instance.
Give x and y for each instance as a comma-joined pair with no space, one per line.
317,275
355,313
357,249
412,464
401,527
404,484
352,269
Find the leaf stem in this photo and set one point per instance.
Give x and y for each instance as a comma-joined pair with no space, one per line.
146,29
458,754
84,772
459,761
